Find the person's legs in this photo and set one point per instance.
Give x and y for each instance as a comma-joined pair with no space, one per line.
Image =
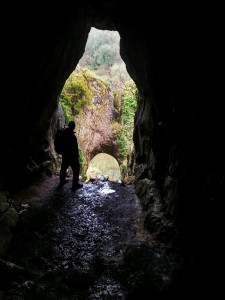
64,167
75,166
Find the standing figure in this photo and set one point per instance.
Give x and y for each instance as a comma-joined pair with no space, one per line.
70,157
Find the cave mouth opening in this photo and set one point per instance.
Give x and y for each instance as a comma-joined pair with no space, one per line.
101,79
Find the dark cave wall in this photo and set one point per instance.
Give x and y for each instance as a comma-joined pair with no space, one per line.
48,49
179,152
179,158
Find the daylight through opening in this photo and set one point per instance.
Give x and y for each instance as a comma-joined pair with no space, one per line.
105,167
101,98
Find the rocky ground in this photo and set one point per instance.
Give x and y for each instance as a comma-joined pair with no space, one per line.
83,244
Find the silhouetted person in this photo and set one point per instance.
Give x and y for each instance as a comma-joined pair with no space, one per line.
70,157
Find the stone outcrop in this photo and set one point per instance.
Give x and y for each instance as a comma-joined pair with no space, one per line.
94,122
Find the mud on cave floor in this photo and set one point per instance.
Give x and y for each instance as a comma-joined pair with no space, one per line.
83,244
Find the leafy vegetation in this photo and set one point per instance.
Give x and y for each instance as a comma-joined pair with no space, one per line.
129,106
102,50
76,94
102,55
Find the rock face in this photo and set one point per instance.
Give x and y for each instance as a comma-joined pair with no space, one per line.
94,122
172,54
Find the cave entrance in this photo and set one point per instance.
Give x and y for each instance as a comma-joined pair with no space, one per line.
101,98
104,165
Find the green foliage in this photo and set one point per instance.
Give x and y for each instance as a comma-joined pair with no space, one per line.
102,56
122,143
124,130
129,106
76,93
102,49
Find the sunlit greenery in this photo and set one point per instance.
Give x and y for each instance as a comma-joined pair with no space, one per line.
102,56
76,94
129,106
102,50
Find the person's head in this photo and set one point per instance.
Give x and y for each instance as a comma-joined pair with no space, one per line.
71,125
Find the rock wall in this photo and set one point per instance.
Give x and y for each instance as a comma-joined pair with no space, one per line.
94,122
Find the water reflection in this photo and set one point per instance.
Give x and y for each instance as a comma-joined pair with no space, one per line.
106,189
